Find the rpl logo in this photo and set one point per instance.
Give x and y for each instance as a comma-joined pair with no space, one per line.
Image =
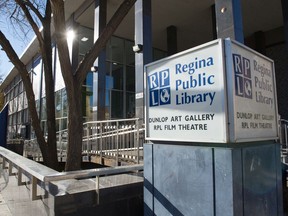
159,88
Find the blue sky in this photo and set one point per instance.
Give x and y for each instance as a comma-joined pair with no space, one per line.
18,43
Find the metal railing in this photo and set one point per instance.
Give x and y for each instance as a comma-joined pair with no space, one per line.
120,139
42,175
283,139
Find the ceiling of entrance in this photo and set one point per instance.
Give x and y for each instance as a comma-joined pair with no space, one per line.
192,18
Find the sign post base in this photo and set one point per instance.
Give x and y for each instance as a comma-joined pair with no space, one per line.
217,179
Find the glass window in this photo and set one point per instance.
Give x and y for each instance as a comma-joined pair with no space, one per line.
37,78
15,105
14,119
43,88
59,82
117,74
10,107
20,101
120,100
64,102
130,105
16,90
116,104
10,95
86,39
37,106
19,117
116,51
17,78
25,102
10,120
25,116
129,54
21,87
58,104
130,79
43,109
64,124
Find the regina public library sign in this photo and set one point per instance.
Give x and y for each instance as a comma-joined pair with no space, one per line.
220,92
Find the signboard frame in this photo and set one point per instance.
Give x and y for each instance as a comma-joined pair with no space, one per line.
234,132
231,133
219,136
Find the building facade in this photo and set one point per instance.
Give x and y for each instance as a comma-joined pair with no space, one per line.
152,30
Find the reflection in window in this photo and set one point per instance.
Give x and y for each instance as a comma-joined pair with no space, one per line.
61,109
86,39
43,109
120,71
130,105
129,54
117,104
58,104
117,74
130,79
64,102
115,50
37,77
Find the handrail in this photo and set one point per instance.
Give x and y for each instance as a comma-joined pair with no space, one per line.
93,172
47,175
35,169
283,139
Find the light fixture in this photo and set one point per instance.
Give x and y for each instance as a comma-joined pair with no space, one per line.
70,35
84,39
223,10
94,69
138,48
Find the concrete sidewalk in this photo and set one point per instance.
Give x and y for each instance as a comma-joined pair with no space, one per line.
4,209
16,201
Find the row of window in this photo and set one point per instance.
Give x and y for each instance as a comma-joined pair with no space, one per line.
120,85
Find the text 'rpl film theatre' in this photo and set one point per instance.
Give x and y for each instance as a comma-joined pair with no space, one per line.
208,78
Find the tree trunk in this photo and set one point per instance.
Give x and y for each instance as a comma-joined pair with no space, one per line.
50,100
75,128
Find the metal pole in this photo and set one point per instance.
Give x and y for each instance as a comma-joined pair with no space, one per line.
117,143
101,142
137,140
97,189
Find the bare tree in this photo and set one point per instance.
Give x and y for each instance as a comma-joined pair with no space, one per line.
37,14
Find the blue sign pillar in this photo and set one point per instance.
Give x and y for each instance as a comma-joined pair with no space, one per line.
99,78
229,19
285,20
3,126
143,55
212,149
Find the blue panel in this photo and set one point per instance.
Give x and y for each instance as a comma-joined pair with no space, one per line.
260,180
3,126
228,182
183,180
148,180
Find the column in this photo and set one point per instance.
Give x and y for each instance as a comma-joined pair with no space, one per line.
172,40
229,19
143,38
260,42
99,77
285,20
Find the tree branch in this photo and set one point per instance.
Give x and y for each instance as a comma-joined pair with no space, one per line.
35,10
61,40
31,21
27,84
